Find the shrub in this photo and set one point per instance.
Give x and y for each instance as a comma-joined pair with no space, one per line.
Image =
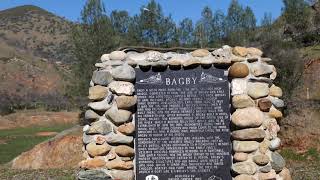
289,63
49,102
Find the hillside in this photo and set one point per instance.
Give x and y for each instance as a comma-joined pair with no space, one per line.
34,31
35,57
28,83
301,126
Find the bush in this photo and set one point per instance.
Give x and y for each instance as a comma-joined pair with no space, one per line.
289,64
309,39
49,102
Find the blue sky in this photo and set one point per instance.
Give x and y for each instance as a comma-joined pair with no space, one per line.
179,9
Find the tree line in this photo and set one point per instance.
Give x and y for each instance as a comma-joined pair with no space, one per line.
98,32
151,27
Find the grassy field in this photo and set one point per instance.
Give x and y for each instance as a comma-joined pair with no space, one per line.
15,141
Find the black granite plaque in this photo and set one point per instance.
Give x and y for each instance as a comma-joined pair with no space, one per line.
182,124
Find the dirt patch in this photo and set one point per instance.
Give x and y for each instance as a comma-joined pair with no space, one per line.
304,170
6,124
300,129
302,144
46,133
3,141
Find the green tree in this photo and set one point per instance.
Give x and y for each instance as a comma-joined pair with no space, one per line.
249,20
266,20
267,30
297,16
241,23
234,16
152,28
134,31
149,20
120,21
167,32
204,28
198,34
91,37
249,25
219,25
185,32
234,22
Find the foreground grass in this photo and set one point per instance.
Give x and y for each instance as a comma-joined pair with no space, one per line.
303,166
311,155
15,141
52,174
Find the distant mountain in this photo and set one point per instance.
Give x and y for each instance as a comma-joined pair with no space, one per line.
35,31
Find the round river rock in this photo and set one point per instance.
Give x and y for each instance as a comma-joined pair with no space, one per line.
247,117
239,70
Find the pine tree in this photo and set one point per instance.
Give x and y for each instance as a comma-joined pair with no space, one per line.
234,16
249,25
149,20
185,32
219,27
297,16
120,21
266,20
249,20
153,27
134,37
167,32
241,23
92,37
204,28
234,22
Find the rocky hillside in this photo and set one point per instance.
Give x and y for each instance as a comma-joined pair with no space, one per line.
34,31
26,83
35,54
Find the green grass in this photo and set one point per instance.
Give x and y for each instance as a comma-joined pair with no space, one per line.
312,154
312,52
292,155
19,140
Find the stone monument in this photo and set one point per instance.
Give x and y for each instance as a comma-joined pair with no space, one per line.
197,115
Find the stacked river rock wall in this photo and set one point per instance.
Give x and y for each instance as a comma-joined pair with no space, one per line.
256,108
